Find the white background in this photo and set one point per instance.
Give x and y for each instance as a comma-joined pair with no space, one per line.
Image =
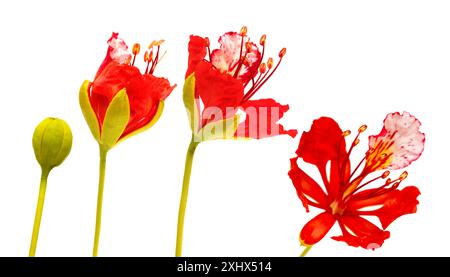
353,60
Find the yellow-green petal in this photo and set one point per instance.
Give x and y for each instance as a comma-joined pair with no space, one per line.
116,119
88,112
189,102
222,129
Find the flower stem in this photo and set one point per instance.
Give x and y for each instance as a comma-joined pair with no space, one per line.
184,195
306,250
39,208
101,182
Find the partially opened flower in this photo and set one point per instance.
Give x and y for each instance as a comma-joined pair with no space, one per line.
221,83
122,101
218,96
352,193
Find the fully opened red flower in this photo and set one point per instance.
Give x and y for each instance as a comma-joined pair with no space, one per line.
121,101
220,85
350,194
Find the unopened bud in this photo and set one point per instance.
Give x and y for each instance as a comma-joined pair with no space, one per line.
52,141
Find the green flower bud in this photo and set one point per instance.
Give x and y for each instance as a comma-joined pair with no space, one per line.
52,141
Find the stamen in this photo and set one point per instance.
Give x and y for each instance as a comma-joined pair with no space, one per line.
270,63
261,76
346,133
155,61
265,74
153,43
363,185
262,40
385,174
355,142
266,77
282,53
243,31
149,60
403,176
135,51
136,48
262,68
362,128
150,56
395,184
356,168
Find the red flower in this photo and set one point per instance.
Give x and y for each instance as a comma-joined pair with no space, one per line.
346,198
145,92
225,81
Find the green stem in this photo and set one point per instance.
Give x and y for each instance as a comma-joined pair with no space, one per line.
184,195
306,250
101,182
39,208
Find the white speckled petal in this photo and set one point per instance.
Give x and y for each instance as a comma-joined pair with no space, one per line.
402,130
226,58
119,51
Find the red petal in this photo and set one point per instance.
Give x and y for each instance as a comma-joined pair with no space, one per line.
144,93
197,51
261,119
323,143
338,173
368,198
306,186
117,51
111,80
365,234
395,204
317,228
400,139
220,93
